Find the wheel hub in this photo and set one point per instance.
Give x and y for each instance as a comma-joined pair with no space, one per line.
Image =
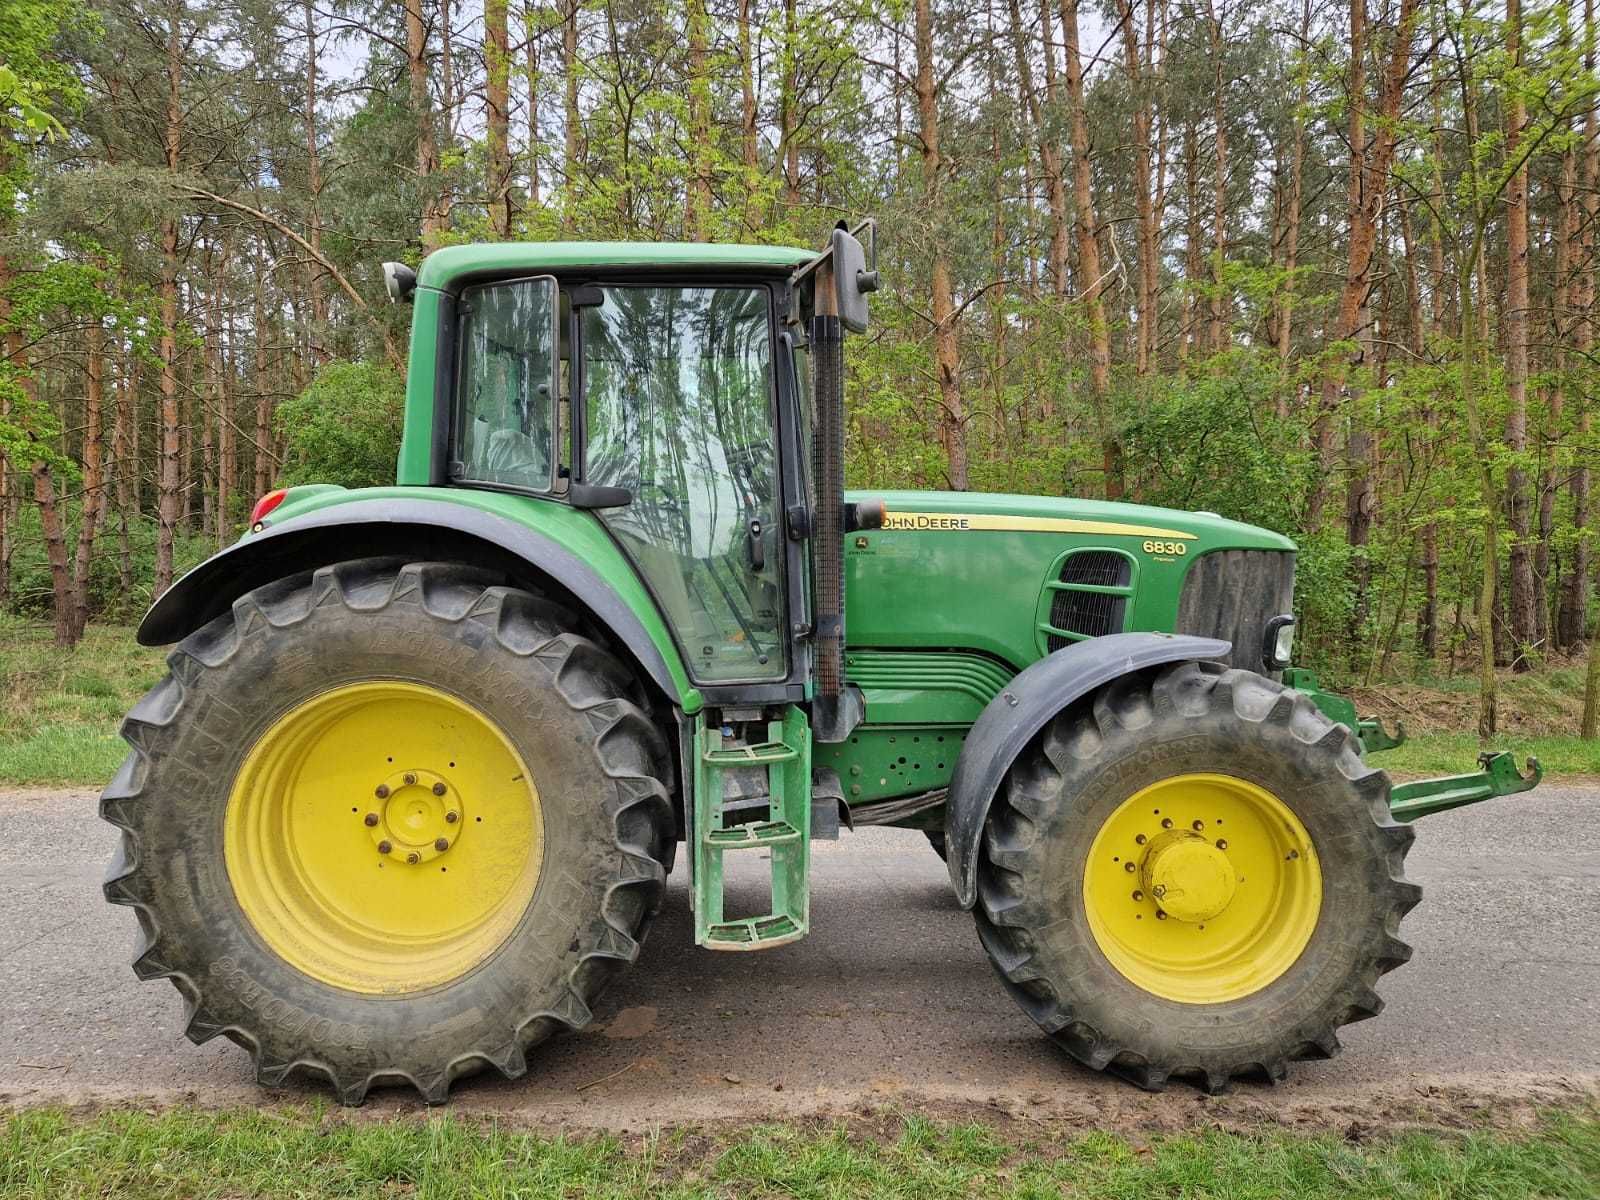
1188,877
1202,888
419,816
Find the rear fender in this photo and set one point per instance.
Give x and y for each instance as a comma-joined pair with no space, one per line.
419,530
1023,708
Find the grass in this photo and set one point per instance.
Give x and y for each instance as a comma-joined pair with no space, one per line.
59,709
317,1152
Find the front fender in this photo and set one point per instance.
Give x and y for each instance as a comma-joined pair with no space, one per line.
1012,719
440,530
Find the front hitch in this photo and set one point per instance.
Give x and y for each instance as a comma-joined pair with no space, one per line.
1408,801
1499,777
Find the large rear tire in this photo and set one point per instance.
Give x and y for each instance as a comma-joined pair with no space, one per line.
390,823
1192,873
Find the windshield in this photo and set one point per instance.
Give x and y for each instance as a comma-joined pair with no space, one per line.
679,410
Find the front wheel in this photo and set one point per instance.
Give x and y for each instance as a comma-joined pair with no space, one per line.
390,823
1192,873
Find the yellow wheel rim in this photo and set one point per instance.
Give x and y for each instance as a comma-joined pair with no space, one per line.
1202,888
383,837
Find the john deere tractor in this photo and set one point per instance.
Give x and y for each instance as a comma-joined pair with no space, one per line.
410,793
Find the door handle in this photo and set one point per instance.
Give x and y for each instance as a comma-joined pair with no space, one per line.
758,550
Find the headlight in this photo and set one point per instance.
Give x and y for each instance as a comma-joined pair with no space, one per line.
1278,646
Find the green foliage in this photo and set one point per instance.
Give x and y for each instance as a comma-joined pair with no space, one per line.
344,428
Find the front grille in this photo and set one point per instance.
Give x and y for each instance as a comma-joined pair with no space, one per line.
1232,594
1077,614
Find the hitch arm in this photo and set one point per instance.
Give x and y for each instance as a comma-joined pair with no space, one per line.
1499,777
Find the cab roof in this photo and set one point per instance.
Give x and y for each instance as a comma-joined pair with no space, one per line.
443,266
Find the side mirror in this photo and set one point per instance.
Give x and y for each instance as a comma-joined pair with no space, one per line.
852,280
400,281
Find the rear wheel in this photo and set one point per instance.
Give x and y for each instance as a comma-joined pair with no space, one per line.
1193,874
390,823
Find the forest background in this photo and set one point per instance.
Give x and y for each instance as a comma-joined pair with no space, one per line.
1329,268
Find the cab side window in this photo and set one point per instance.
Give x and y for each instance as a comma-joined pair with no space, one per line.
505,430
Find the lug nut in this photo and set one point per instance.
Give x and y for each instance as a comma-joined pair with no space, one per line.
1129,867
1166,822
381,791
439,789
413,858
441,843
1141,840
1159,890
1138,895
411,777
1160,916
1198,826
385,846
452,817
1222,843
371,819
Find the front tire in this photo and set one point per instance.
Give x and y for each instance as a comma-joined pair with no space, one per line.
1192,873
318,762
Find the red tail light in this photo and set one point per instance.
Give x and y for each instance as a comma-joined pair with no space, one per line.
266,504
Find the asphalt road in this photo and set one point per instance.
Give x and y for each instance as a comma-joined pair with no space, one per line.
889,1001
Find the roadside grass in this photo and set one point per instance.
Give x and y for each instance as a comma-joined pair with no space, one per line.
319,1152
59,709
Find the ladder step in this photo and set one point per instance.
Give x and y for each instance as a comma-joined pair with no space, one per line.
751,756
762,833
757,933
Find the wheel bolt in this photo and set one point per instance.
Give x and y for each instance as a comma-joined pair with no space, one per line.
381,791
413,858
1129,867
1222,843
441,843
452,817
439,789
1199,826
1138,895
1160,916
385,846
411,777
1166,822
371,819
1141,840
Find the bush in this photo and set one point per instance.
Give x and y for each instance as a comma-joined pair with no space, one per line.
344,428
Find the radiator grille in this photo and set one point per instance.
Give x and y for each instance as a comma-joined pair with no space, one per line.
1078,609
1232,594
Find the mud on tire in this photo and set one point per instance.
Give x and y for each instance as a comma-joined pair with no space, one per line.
575,715
1133,732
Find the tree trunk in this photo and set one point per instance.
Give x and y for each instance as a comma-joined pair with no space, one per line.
94,494
1219,210
1523,623
497,117
1092,284
1149,232
532,31
697,191
433,208
946,360
168,482
1369,174
314,281
1284,333
1572,624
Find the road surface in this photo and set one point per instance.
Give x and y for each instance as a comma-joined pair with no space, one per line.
890,1001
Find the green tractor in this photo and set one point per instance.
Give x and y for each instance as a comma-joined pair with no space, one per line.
410,793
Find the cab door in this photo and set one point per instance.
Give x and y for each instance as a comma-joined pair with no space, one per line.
679,409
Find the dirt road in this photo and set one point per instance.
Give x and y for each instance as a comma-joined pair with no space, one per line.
890,1000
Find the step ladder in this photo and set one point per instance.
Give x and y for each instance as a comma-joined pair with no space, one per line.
785,834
